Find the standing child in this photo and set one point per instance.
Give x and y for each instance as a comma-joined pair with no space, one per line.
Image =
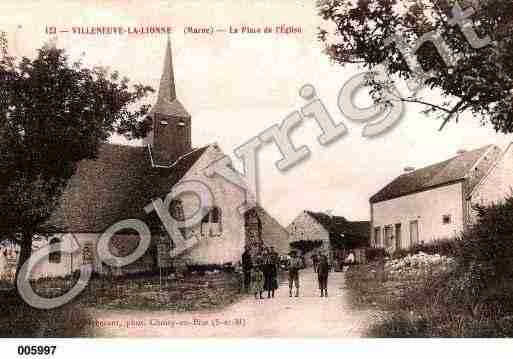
257,281
295,265
323,270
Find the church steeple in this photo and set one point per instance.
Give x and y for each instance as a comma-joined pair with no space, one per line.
171,135
167,82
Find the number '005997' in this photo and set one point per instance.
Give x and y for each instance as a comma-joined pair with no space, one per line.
36,349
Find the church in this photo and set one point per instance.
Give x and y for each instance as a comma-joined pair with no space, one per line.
123,180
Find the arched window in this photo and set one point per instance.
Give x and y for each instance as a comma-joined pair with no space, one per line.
212,223
216,215
217,219
87,254
55,257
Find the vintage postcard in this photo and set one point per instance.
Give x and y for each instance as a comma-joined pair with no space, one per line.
256,169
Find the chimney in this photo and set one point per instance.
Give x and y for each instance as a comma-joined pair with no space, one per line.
460,152
409,169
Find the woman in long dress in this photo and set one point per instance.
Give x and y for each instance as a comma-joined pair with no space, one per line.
270,274
3,264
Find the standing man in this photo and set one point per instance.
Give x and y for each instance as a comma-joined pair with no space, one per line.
295,265
270,269
247,265
323,270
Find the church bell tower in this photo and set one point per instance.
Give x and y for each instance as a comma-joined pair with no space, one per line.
170,137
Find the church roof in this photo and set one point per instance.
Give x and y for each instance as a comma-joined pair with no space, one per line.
446,172
115,186
167,104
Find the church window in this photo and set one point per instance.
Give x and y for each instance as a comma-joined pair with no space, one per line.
55,257
216,215
212,222
87,254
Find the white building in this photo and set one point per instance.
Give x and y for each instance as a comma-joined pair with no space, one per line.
432,203
123,180
334,235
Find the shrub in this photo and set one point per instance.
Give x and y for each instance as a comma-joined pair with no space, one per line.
450,247
374,254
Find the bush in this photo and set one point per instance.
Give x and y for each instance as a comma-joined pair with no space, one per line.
449,247
486,258
374,254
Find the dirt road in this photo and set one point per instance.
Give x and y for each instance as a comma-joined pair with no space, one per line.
306,316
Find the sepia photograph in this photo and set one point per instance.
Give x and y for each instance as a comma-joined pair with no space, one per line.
330,169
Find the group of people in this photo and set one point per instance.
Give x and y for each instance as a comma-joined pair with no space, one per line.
261,272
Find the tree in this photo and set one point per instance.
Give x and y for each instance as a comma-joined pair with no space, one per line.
478,79
52,115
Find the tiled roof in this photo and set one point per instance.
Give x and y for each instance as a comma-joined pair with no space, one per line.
337,226
446,172
115,186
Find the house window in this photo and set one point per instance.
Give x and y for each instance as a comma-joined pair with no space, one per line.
55,257
389,235
414,233
446,219
398,236
377,237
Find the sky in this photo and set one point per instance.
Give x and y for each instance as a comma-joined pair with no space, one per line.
237,85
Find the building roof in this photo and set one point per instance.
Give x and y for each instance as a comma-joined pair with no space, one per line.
352,233
273,233
115,186
122,180
442,173
167,104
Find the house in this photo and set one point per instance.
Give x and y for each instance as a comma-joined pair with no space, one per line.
331,235
430,203
495,185
123,180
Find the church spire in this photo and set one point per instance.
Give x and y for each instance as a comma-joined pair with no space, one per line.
167,104
170,137
167,89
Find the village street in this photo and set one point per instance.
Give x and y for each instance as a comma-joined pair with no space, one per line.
306,316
